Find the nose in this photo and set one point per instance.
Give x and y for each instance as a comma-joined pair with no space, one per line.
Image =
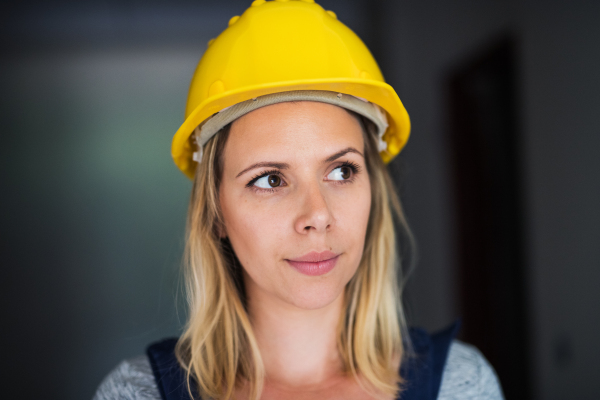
315,214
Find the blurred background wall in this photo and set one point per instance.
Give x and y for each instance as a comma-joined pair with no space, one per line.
93,210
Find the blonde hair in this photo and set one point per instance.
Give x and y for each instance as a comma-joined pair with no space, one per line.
218,348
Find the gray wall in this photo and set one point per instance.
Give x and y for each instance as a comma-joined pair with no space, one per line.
424,40
561,85
93,209
559,60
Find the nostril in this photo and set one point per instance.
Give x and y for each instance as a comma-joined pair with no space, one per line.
309,227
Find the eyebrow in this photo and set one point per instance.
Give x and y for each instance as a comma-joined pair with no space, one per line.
264,164
343,152
287,166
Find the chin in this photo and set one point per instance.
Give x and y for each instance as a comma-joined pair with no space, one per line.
315,295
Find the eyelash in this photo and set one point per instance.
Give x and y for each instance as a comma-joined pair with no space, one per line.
266,173
353,166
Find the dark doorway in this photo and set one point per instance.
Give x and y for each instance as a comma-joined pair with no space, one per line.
484,143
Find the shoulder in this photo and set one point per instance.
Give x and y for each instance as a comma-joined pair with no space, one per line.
468,375
131,380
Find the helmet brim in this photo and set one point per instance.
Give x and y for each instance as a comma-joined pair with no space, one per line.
377,92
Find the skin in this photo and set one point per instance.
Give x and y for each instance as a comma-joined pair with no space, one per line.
320,204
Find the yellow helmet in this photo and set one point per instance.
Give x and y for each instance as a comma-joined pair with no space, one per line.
281,46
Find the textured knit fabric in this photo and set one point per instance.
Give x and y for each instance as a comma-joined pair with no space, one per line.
467,376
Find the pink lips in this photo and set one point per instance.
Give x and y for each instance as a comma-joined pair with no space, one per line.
315,263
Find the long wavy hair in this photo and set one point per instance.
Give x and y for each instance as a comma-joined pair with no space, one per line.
218,349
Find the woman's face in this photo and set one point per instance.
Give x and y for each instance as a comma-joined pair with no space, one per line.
295,197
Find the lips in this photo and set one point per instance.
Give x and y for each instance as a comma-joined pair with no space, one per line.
314,263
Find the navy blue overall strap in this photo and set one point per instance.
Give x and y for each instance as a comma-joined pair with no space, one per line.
168,374
422,372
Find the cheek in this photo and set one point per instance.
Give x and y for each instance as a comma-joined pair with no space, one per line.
255,230
351,213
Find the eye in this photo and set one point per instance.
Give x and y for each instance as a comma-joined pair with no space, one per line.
341,173
268,182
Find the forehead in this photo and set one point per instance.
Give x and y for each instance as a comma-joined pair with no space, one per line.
301,131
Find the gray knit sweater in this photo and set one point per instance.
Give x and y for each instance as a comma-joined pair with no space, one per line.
467,375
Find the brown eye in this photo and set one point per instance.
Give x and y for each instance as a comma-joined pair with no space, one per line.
341,173
268,181
274,180
346,172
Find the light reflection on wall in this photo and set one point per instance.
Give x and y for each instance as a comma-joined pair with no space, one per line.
91,135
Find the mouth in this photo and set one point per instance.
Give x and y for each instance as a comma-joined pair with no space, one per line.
314,263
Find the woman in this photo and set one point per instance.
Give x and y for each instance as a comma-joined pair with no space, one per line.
291,262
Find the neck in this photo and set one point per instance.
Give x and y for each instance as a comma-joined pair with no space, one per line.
298,346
